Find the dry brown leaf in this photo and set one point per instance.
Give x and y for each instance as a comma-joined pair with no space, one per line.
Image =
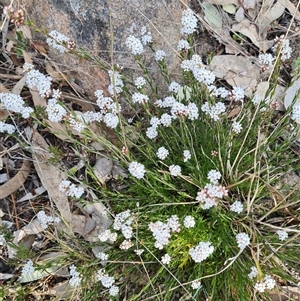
247,28
250,4
50,175
56,76
103,169
18,87
16,182
27,57
237,71
234,112
267,15
26,31
292,94
82,225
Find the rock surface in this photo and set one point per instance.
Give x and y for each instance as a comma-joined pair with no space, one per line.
92,24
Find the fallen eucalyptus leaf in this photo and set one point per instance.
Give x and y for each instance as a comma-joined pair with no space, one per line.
237,71
230,8
292,94
103,170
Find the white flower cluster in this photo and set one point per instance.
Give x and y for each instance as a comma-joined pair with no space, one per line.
136,45
186,155
160,55
196,284
212,191
201,251
140,82
15,103
28,268
70,189
174,87
162,153
57,40
183,45
102,256
266,60
268,284
108,282
284,44
109,109
188,21
238,94
201,74
296,112
116,83
45,219
282,235
166,259
214,91
107,235
136,169
138,97
123,222
55,111
237,207
214,111
75,279
189,222
214,176
162,231
253,272
76,122
243,240
8,128
36,79
175,170
237,127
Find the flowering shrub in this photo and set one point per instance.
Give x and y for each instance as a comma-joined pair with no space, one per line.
194,212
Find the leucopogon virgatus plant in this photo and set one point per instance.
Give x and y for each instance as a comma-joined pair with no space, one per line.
203,215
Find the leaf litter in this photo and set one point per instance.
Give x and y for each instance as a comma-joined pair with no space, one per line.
253,19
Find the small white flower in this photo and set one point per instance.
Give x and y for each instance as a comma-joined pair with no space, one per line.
56,40
137,169
188,21
166,259
237,127
75,277
183,45
260,286
282,235
140,82
253,272
196,284
243,240
114,290
135,45
160,55
126,244
28,268
174,87
238,93
237,207
187,155
139,252
173,223
111,120
189,221
166,119
162,153
5,127
139,98
175,170
269,282
151,132
102,256
201,251
214,176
